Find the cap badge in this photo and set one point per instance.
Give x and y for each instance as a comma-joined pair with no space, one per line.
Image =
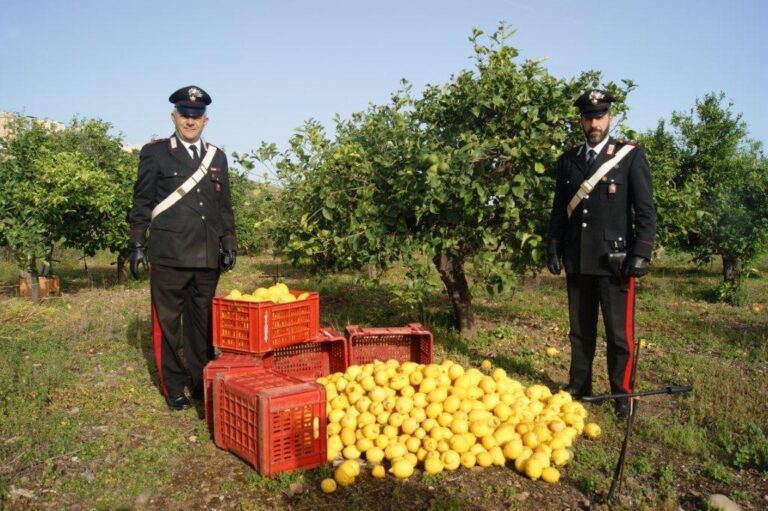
595,96
195,94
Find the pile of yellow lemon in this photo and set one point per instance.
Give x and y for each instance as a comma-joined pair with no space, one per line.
279,293
444,416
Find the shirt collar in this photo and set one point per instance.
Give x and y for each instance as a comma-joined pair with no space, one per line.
187,145
598,148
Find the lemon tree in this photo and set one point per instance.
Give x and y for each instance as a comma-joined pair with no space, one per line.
455,176
711,186
67,184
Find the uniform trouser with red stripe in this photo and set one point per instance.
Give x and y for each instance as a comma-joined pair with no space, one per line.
182,301
585,294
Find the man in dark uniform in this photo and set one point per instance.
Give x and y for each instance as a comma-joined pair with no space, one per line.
182,196
603,232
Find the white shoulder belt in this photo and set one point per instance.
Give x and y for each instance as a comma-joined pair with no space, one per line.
187,185
589,184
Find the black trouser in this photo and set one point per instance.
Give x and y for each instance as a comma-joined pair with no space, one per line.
585,294
182,301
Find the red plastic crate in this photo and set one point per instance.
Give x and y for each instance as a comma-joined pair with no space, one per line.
293,425
229,363
260,327
411,343
325,354
234,394
273,421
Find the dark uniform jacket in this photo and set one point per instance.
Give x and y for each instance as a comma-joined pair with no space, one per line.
189,233
619,212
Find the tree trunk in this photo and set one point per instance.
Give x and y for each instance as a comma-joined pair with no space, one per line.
451,268
122,273
731,270
32,282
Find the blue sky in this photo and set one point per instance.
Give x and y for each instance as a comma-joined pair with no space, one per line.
269,66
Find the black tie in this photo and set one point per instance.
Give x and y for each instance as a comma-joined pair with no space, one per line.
591,155
195,157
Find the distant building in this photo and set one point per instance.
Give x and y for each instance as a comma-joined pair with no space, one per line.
7,118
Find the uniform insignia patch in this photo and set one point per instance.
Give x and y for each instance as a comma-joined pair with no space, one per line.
612,188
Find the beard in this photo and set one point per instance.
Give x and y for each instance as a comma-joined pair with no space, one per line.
596,135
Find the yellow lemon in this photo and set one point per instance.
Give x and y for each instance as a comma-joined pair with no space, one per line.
530,439
395,450
560,457
454,371
381,377
533,468
415,378
451,403
343,477
550,474
374,455
403,405
498,456
427,385
468,460
328,485
432,371
350,452
484,459
363,444
486,364
459,443
592,431
378,471
552,352
401,469
351,467
451,460
433,466
513,449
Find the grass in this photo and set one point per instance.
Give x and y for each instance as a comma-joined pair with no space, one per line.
82,425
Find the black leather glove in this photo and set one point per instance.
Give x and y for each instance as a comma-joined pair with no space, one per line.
637,266
138,257
553,264
227,259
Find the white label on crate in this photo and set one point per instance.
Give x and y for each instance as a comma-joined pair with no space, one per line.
266,327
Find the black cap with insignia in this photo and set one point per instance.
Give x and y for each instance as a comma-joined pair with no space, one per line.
190,101
594,103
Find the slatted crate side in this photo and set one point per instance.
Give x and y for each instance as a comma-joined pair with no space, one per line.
321,356
410,343
227,363
235,405
293,425
259,327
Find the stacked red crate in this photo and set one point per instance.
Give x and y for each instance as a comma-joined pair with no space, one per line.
411,343
273,421
261,401
259,327
325,354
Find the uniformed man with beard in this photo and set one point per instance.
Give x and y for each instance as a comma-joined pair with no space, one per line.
602,228
182,198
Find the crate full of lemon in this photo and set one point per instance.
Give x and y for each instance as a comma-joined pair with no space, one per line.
441,417
278,293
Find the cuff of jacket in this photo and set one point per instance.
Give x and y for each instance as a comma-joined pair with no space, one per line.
643,248
138,236
228,242
553,248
